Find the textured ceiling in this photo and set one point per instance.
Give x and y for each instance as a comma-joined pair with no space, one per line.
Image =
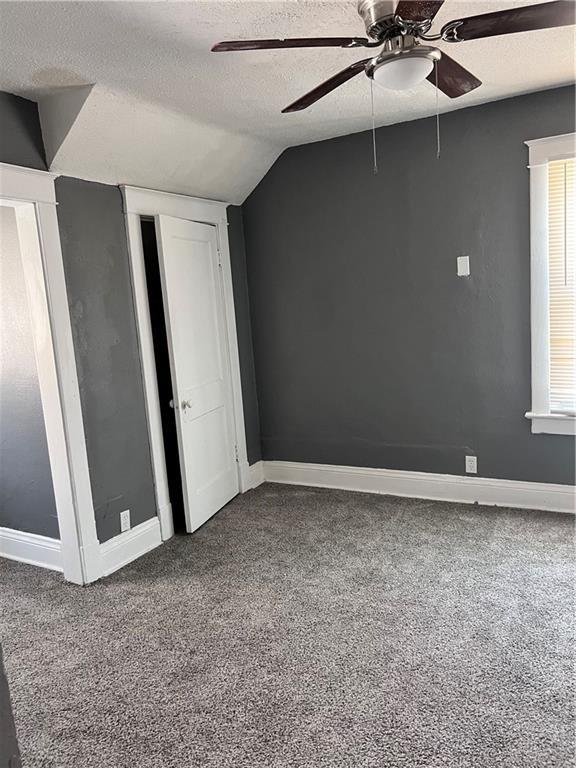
169,114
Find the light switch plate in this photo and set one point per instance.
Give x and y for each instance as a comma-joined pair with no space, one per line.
463,266
471,465
125,520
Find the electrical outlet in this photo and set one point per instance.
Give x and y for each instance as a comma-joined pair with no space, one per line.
463,266
471,465
125,520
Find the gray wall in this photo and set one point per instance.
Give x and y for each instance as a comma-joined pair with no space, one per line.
96,265
20,133
107,357
244,332
369,350
26,492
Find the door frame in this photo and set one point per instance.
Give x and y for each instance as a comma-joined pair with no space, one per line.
146,202
79,555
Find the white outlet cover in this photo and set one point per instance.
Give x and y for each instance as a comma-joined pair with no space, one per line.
471,465
463,266
125,520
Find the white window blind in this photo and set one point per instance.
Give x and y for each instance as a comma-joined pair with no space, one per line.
562,284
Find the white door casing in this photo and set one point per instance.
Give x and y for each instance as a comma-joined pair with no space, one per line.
146,202
195,313
46,286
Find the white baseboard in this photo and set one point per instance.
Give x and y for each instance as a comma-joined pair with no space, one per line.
128,546
256,474
31,548
468,490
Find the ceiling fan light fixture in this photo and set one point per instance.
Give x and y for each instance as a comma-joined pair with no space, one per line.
404,69
399,27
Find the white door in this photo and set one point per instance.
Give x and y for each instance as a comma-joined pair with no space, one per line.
202,389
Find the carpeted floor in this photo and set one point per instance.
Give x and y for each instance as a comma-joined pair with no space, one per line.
306,628
9,752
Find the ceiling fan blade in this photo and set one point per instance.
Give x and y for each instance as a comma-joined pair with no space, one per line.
294,42
418,10
329,85
559,13
453,79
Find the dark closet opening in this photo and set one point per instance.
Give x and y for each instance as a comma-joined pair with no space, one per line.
163,375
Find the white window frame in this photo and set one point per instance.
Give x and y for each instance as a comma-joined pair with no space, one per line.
541,152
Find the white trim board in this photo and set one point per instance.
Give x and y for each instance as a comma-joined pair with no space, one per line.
31,548
468,490
130,545
256,474
148,367
115,553
29,185
541,152
32,194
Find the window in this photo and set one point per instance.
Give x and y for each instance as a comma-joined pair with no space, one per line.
553,284
562,296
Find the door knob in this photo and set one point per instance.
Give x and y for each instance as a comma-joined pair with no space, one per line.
185,404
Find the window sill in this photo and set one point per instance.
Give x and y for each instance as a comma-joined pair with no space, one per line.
552,423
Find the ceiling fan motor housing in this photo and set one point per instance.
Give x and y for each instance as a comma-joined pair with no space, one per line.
402,63
378,17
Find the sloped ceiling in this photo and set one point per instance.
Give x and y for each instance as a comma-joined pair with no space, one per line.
116,138
130,93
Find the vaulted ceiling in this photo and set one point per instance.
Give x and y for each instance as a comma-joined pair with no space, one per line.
130,93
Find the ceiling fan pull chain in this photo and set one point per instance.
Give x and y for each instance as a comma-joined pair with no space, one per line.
373,126
437,112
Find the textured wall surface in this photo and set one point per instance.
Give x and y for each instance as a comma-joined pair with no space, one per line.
369,349
20,134
26,492
95,253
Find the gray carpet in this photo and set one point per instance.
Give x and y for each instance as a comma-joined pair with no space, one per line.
9,752
306,628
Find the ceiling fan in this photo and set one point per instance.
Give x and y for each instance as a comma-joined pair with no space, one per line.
403,61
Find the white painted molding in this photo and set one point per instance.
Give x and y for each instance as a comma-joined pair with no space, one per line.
128,546
148,202
233,351
552,423
78,531
31,548
148,368
166,521
27,184
255,474
541,152
245,477
46,286
424,485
